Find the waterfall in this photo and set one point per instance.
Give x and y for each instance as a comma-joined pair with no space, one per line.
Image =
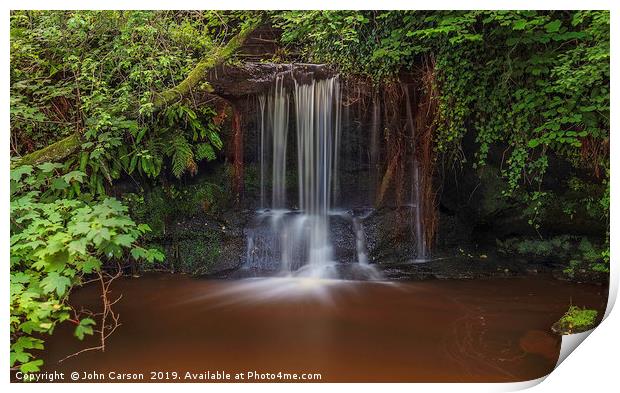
279,111
296,239
274,116
317,119
422,254
374,143
360,242
261,103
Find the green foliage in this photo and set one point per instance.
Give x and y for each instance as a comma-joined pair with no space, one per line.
185,137
56,243
574,251
589,256
83,328
535,83
194,253
97,73
561,247
162,205
576,320
182,155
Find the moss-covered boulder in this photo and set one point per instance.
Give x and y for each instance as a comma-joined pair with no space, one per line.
576,320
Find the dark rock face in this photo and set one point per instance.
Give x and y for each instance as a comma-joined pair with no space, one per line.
474,197
216,246
206,245
343,238
473,216
465,266
389,235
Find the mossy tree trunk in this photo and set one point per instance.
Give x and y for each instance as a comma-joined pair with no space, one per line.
196,81
54,152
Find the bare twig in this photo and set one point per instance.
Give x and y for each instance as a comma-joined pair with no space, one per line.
109,319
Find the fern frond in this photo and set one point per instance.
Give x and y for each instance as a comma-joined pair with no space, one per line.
205,150
182,155
214,137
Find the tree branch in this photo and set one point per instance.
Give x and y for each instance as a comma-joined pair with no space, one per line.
54,152
62,149
200,72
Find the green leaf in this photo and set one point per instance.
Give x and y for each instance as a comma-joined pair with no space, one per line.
31,367
74,175
553,26
124,240
59,184
26,342
78,246
20,278
55,282
204,150
17,173
83,160
154,254
84,327
57,261
101,235
215,140
182,155
138,253
89,265
20,357
49,166
519,25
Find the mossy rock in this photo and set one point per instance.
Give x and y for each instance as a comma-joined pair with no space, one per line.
576,320
203,253
389,236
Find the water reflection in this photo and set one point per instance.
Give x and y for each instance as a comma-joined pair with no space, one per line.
308,287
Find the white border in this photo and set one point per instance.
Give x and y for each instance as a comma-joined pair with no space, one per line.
594,366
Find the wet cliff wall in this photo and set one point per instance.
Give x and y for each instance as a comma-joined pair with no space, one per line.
205,218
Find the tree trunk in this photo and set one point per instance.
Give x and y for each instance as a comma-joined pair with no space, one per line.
54,152
196,80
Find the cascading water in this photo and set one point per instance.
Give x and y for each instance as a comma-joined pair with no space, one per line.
279,111
296,240
422,253
374,142
317,119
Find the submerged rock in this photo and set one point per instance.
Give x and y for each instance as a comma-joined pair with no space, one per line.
540,343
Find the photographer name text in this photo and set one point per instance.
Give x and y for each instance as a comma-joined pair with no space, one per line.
167,376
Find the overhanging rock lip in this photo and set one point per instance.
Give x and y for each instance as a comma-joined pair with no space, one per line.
251,78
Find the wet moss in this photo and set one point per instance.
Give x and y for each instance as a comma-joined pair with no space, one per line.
193,254
491,200
55,152
575,320
162,206
187,220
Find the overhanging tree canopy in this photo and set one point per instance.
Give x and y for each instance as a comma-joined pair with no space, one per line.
196,81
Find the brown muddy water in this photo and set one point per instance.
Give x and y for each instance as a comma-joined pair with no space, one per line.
433,331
